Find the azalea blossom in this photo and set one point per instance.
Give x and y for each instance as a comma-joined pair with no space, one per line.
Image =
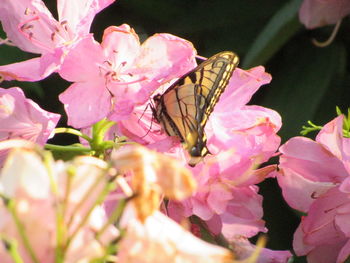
30,26
22,118
55,207
119,73
240,138
317,13
314,178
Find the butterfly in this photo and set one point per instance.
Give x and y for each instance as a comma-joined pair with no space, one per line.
184,108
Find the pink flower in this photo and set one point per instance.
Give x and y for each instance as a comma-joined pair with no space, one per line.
55,203
315,179
32,28
240,137
317,13
22,118
310,168
119,73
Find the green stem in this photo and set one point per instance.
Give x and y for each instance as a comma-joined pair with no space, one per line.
74,132
66,148
99,130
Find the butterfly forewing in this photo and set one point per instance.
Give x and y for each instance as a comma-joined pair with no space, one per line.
185,107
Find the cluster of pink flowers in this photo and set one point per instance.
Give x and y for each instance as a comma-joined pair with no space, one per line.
112,85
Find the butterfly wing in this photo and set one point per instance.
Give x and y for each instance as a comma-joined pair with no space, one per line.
183,110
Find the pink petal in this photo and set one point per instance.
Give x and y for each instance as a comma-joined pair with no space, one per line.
316,13
78,66
33,69
242,86
79,14
86,103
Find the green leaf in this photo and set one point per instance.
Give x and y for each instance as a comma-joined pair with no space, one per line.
281,27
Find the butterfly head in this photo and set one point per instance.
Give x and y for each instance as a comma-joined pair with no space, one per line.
197,154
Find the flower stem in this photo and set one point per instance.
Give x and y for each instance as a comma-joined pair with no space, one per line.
74,132
66,148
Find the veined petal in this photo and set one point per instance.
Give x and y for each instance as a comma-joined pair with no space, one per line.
79,14
86,103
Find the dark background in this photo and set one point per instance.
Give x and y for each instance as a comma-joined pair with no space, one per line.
307,81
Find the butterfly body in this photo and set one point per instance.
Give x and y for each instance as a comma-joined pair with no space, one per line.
184,108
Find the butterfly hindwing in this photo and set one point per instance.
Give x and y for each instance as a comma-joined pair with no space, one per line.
183,110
